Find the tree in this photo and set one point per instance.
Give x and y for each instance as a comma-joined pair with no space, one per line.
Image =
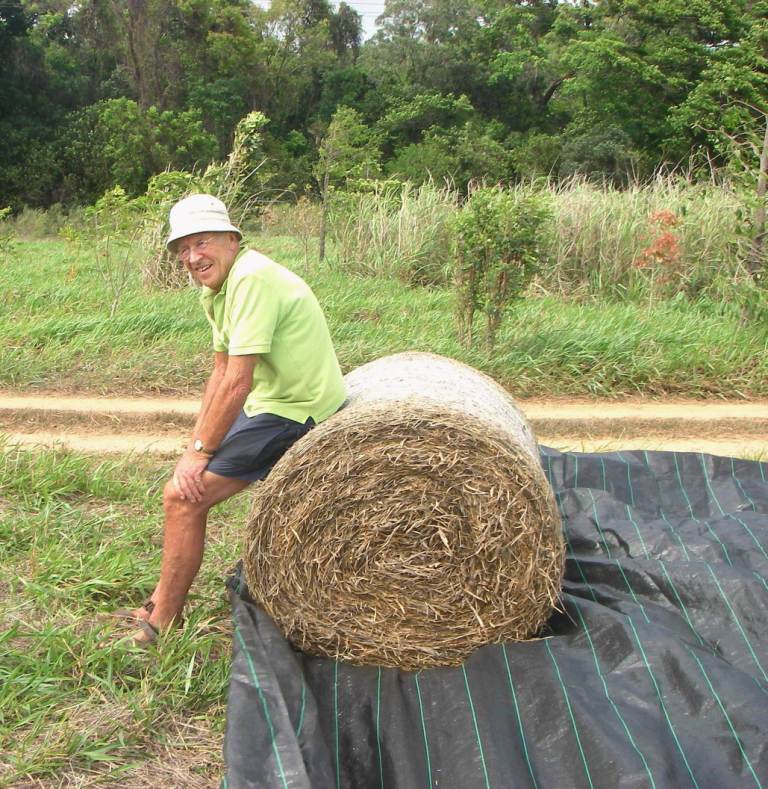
348,149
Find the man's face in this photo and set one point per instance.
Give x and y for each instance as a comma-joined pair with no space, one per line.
208,257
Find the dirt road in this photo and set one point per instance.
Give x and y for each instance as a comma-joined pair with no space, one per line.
161,425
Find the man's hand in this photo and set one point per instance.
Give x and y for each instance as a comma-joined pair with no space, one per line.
188,475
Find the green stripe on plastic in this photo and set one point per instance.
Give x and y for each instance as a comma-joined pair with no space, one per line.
424,731
263,699
570,712
519,719
589,638
741,488
477,728
303,705
727,514
224,783
681,603
638,532
738,623
378,729
661,702
336,721
629,482
610,700
693,516
666,520
618,563
726,716
602,467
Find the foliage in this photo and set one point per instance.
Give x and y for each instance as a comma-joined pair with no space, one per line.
78,540
498,240
113,229
115,143
457,155
7,242
239,181
100,94
57,335
600,234
347,150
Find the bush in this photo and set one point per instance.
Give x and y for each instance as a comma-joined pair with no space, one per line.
498,239
34,224
115,143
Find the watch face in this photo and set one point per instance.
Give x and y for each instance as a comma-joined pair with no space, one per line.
198,445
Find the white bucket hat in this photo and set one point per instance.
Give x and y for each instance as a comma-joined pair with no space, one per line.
199,214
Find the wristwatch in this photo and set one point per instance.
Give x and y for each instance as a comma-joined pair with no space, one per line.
198,447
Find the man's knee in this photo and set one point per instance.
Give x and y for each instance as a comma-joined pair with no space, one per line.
173,501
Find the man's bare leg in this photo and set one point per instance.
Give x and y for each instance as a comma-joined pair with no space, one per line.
183,544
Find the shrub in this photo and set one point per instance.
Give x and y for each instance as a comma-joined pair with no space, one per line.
498,240
239,180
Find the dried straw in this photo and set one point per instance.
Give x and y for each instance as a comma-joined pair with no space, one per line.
413,526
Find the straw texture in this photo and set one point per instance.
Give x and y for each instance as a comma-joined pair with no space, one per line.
413,526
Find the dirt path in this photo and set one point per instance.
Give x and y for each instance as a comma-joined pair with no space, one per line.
161,425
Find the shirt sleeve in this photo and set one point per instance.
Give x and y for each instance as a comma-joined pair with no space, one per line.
219,343
253,316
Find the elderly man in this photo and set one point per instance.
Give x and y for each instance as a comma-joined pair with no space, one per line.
275,375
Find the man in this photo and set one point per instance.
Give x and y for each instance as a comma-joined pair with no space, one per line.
275,375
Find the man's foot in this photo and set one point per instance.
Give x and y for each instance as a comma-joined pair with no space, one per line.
145,636
140,614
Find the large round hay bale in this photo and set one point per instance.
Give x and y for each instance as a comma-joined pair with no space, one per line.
413,526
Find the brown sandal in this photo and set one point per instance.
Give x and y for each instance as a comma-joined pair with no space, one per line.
146,636
127,614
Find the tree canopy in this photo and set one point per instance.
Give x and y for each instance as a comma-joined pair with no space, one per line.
104,93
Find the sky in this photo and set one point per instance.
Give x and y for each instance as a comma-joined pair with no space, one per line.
368,10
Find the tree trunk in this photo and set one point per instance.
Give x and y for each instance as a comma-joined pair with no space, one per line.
757,253
324,216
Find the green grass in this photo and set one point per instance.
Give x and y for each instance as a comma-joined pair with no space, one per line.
57,334
80,537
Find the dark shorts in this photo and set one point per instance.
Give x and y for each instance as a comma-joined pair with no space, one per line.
254,444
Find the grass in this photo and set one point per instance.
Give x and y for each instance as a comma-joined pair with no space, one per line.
79,536
57,334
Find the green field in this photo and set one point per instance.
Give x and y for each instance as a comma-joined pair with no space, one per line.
79,537
57,333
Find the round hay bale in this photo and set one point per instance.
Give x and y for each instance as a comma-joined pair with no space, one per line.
413,526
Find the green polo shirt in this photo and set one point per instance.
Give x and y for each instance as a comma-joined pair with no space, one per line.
265,309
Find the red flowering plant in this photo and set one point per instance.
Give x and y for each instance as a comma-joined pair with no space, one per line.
661,257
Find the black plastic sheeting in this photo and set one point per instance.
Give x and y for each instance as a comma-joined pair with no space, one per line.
653,676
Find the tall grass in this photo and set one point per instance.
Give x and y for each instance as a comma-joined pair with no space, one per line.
669,233
400,232
653,239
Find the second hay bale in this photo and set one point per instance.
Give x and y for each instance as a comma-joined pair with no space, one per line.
413,526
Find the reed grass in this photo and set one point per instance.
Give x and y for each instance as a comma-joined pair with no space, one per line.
399,232
602,240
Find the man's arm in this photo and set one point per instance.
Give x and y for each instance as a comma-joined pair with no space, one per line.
224,396
223,405
220,359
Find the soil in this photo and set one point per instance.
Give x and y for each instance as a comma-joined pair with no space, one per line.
161,425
